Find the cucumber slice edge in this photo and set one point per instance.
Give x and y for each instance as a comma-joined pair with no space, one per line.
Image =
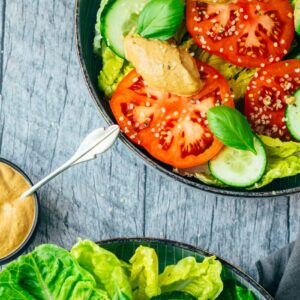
257,178
293,108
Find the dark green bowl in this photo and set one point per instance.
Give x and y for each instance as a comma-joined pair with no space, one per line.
170,252
85,19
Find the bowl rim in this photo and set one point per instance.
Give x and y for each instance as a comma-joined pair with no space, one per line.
147,160
191,248
24,245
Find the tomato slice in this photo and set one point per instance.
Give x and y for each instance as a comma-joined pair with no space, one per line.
173,129
266,96
248,33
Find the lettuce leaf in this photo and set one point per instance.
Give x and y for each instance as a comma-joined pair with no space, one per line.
106,268
201,280
31,277
144,273
283,160
114,69
238,78
174,296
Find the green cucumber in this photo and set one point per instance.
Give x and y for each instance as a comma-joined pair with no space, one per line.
118,18
292,115
240,168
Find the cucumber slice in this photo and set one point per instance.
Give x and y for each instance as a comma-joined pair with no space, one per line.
292,115
118,18
240,168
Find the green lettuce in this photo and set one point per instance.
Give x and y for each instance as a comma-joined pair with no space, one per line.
283,160
106,268
49,272
114,68
144,273
174,296
201,280
238,78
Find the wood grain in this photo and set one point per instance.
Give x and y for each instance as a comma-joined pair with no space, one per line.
45,113
239,230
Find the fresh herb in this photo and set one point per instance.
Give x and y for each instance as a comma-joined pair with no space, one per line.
231,128
160,19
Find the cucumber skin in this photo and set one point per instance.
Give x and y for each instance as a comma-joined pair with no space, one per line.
108,6
288,124
252,183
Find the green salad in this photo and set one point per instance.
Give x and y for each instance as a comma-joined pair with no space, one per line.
89,271
211,88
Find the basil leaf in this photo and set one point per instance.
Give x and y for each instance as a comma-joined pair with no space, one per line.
231,128
160,19
119,295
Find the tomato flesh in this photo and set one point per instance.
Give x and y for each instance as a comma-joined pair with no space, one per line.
266,96
249,33
173,129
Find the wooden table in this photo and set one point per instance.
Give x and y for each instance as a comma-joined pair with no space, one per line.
46,110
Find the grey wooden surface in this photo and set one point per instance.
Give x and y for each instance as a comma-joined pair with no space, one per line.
46,111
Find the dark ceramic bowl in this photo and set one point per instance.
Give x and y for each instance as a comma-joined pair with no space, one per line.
85,19
30,237
170,252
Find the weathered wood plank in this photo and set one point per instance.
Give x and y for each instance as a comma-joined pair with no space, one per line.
2,34
46,112
240,230
294,217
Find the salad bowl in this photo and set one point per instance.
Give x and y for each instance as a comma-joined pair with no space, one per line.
170,252
85,18
126,268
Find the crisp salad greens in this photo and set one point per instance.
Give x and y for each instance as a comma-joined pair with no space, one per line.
114,68
233,85
49,272
283,161
89,272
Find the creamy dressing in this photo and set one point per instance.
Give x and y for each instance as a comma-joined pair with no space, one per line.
16,216
164,66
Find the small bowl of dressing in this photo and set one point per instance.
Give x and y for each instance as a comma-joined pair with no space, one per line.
18,218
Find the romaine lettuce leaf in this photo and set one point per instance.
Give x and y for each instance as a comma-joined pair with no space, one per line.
49,272
114,69
144,273
106,268
238,78
174,296
201,280
283,160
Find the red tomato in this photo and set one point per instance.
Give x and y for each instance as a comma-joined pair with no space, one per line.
249,33
266,97
172,128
